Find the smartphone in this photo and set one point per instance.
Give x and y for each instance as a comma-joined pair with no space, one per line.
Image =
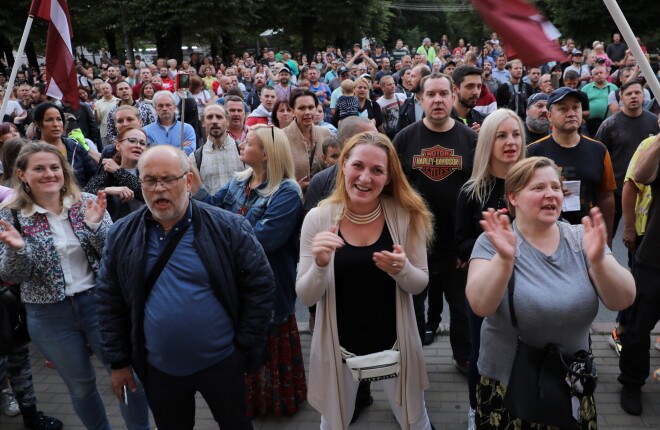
182,81
554,79
125,395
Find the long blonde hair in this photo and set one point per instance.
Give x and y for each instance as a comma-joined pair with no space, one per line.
481,183
279,164
421,219
22,198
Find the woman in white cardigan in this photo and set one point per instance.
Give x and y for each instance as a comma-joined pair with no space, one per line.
362,256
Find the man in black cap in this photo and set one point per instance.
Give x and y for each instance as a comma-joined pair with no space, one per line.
585,164
537,123
582,70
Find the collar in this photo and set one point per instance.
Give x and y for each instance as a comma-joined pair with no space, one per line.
228,143
67,202
183,222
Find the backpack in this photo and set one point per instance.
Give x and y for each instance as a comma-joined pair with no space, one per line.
13,319
519,102
199,155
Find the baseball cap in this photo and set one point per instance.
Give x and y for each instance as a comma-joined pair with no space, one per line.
535,98
366,75
284,69
561,93
600,60
343,69
448,63
576,52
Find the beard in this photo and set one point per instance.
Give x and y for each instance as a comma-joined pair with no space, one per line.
540,125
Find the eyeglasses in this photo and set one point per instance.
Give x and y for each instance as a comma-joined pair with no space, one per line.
135,141
167,183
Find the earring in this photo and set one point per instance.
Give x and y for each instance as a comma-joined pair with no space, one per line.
63,189
26,187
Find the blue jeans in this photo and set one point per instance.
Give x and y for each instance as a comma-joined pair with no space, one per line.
61,331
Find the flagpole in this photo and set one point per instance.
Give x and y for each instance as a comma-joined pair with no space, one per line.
17,61
631,41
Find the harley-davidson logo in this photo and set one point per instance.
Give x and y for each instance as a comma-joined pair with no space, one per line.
437,163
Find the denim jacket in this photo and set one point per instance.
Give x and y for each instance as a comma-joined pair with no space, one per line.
276,221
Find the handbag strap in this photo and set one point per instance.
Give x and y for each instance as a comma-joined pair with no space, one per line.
510,289
162,260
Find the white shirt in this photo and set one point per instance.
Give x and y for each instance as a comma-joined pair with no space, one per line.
78,276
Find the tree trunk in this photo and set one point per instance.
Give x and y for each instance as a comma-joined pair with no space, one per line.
214,49
128,44
6,49
161,46
112,43
31,54
174,40
308,25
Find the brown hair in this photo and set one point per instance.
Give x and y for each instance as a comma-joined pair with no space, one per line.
22,198
10,151
421,219
521,173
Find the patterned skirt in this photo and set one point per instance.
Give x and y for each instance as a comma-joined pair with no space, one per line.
278,388
491,413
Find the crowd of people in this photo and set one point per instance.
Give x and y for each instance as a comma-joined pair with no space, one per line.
169,228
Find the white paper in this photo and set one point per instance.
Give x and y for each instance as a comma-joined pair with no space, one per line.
572,200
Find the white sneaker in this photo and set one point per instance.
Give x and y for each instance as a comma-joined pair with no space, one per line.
8,403
471,419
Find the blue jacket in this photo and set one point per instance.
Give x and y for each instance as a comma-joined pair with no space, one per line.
84,168
159,135
234,260
276,220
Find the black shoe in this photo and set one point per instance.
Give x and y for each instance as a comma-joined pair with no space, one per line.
631,399
429,337
361,403
39,421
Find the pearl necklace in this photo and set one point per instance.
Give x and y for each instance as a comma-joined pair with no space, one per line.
364,219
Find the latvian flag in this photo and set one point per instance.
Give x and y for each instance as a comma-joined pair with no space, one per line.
60,66
526,33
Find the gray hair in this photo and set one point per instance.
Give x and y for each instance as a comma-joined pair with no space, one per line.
166,93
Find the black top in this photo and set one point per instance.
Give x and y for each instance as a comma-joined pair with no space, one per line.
365,297
648,252
468,215
532,136
437,164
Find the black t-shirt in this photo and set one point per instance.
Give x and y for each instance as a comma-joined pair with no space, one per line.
621,134
468,215
588,161
648,252
437,164
532,136
365,298
320,187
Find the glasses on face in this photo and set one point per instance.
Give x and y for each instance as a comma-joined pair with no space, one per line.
166,183
136,141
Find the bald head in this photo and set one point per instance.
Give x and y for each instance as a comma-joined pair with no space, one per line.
352,126
155,155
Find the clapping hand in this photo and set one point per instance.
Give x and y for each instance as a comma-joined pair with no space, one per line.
497,227
95,210
10,237
595,236
110,165
324,244
390,262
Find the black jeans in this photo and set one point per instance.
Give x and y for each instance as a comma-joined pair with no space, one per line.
445,279
644,313
475,322
172,398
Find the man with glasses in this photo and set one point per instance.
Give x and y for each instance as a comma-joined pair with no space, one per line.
184,298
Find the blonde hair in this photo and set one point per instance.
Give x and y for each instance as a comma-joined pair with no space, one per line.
279,164
421,219
366,82
347,86
481,183
22,198
521,173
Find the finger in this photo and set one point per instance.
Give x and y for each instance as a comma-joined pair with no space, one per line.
119,392
130,383
398,249
6,226
333,229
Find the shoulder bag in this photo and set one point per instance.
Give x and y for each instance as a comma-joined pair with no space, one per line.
545,382
374,367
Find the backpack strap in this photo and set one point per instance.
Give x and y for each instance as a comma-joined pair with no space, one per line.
198,157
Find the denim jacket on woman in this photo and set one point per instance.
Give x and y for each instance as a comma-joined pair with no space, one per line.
276,220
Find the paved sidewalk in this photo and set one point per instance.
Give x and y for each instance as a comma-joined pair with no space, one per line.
446,399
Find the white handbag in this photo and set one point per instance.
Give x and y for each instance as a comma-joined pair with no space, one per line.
374,367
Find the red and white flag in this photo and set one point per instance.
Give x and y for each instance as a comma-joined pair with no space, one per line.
528,35
61,77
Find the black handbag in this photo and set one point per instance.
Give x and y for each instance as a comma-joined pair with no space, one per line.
13,320
544,381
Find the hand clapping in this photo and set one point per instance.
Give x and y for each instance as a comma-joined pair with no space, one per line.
95,210
391,262
497,227
324,244
595,236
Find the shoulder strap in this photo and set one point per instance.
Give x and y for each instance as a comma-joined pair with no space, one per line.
162,261
512,311
198,157
17,224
